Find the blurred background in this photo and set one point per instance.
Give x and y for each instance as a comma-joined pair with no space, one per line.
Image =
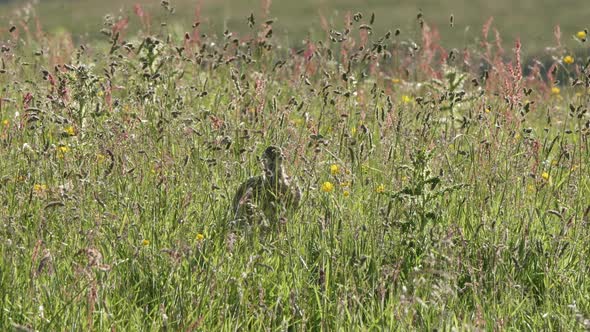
531,20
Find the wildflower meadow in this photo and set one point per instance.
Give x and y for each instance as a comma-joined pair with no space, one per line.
442,187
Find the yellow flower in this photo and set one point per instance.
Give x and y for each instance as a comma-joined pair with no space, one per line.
346,193
70,130
488,110
61,151
345,184
380,188
545,176
568,59
200,237
5,122
555,90
145,243
334,169
406,99
395,80
581,35
327,187
100,93
39,188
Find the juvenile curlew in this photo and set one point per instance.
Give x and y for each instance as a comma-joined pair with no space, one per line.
272,193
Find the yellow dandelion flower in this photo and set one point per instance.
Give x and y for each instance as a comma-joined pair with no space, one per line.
545,176
145,242
568,59
380,188
555,90
61,151
6,122
406,99
346,193
200,237
327,187
39,188
334,169
70,131
488,110
581,35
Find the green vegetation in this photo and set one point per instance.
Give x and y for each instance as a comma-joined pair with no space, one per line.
441,188
532,21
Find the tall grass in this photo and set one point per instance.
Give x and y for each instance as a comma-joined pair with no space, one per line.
459,195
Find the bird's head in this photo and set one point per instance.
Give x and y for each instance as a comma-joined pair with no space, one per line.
272,159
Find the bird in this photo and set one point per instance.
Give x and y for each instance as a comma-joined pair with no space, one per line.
271,194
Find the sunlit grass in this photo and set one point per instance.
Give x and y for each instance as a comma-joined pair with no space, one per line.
441,189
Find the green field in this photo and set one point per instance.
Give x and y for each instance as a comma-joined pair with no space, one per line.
532,21
441,188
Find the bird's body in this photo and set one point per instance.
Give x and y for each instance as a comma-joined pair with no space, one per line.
271,193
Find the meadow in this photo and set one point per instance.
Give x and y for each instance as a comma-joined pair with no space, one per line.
532,21
443,188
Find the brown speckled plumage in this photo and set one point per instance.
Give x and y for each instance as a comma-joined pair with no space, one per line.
271,193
